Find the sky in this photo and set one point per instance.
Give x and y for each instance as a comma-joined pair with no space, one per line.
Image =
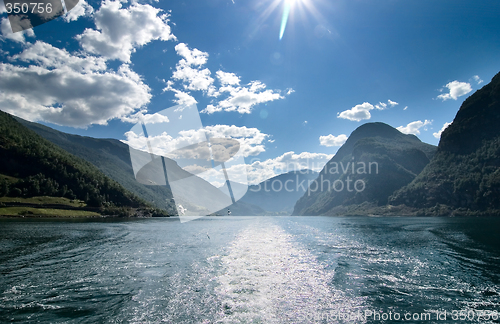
289,79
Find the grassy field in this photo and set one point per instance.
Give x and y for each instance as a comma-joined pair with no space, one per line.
44,201
8,178
45,212
24,211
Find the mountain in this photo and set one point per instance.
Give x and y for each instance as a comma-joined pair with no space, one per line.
32,166
280,193
111,156
463,178
376,160
274,196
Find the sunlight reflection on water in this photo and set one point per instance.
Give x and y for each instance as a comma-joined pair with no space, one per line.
268,278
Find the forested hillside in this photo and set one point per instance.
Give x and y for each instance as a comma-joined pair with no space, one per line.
32,166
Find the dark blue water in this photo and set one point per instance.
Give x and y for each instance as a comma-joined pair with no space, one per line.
251,270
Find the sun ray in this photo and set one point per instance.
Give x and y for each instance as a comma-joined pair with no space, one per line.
284,18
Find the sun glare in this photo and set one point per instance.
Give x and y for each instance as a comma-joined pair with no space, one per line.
289,6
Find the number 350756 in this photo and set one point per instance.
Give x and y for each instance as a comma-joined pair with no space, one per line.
25,7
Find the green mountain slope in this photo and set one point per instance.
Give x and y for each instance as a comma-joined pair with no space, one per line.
376,160
111,156
44,169
464,176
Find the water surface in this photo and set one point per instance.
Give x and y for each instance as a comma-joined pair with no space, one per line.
249,270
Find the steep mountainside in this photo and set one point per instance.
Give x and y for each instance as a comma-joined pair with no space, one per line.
111,156
376,160
464,176
37,167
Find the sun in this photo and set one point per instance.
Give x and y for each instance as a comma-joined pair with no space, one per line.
291,5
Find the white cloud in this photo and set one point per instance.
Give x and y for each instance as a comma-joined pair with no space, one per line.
181,98
16,37
392,103
251,140
259,171
406,107
69,90
142,116
438,134
48,56
189,70
414,127
210,109
194,79
227,78
457,89
191,57
243,99
330,140
82,9
383,105
357,113
120,31
477,79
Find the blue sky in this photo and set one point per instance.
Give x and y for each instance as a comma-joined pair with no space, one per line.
338,65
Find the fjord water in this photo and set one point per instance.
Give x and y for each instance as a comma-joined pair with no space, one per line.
247,269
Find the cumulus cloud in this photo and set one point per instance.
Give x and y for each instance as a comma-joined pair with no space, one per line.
358,112
227,78
82,9
188,70
193,76
16,37
181,98
251,140
331,140
243,99
414,127
191,57
47,56
70,90
362,111
438,134
457,89
258,171
121,30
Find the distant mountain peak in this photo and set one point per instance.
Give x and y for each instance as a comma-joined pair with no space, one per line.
398,157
